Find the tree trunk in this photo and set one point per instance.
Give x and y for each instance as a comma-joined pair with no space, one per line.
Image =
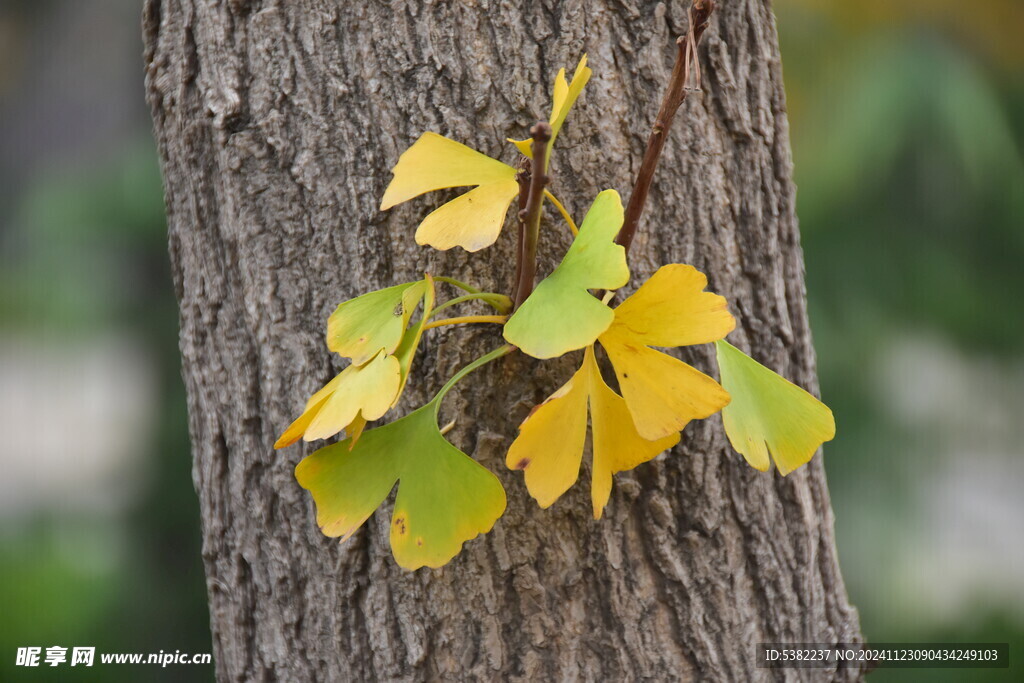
277,124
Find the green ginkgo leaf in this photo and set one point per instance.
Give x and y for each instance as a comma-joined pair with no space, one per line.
445,498
361,327
561,315
769,415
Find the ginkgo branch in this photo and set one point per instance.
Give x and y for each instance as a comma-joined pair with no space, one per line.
686,63
540,133
466,319
523,178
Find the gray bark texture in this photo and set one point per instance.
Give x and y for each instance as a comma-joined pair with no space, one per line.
277,124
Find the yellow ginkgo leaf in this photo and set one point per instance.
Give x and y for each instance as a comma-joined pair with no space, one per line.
562,99
670,309
368,390
471,221
769,415
358,392
549,447
618,446
561,315
297,428
662,392
550,444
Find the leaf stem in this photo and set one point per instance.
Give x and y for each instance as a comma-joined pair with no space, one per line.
499,302
465,319
561,209
541,133
456,283
482,360
686,63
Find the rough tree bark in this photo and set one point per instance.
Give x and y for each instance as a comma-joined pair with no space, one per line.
277,124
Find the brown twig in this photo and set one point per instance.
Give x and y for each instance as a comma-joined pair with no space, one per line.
530,216
686,63
523,178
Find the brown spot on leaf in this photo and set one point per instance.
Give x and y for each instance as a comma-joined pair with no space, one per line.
419,541
400,524
521,465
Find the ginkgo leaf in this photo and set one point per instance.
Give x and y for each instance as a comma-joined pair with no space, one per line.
471,221
618,446
376,321
562,100
355,430
551,440
365,392
368,389
549,447
445,498
663,393
357,391
561,315
298,427
769,415
670,309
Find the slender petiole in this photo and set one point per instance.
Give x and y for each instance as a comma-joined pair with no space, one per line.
499,302
456,283
466,319
561,209
482,360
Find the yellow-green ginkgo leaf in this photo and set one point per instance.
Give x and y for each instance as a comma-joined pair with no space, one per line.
670,309
551,440
362,393
561,315
471,221
564,96
769,415
445,498
376,321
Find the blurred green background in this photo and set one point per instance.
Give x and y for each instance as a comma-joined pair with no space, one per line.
907,122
